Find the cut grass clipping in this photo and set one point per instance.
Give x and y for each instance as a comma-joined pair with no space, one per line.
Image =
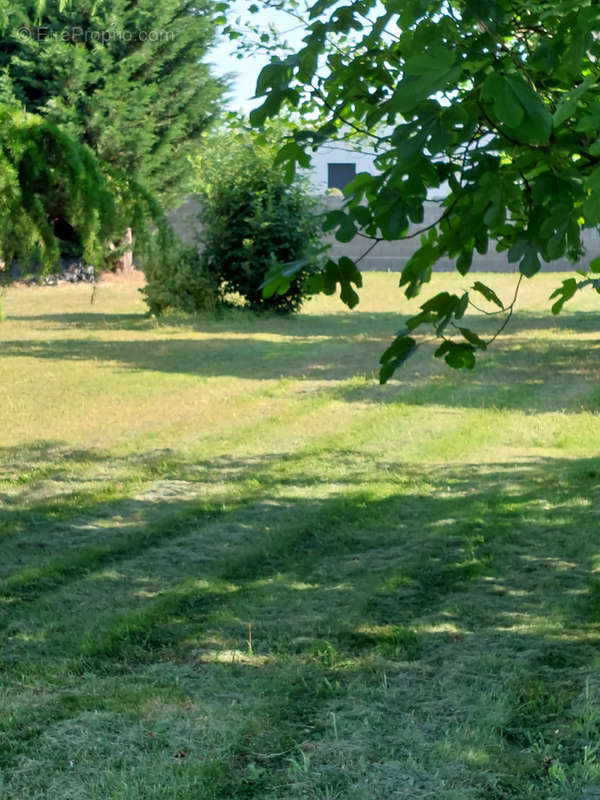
236,567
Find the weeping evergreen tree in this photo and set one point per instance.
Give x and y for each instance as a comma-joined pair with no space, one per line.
44,172
124,79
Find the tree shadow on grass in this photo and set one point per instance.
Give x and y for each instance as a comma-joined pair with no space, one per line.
469,579
350,322
535,506
88,321
345,323
520,372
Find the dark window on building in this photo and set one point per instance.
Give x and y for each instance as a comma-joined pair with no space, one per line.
340,175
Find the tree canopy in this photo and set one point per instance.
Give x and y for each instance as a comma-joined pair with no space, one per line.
495,100
129,80
102,104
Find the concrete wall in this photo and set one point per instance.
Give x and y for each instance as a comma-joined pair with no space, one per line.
184,220
391,255
394,255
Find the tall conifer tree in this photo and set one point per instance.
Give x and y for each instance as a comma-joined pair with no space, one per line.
128,79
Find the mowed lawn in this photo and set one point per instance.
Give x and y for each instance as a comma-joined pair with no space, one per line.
233,566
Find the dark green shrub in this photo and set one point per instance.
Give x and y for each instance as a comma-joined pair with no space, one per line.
179,281
252,220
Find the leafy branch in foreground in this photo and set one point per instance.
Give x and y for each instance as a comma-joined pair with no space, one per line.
441,312
494,102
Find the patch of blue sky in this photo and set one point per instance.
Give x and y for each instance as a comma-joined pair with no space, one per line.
244,66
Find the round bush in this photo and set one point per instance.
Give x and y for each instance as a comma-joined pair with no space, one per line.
253,220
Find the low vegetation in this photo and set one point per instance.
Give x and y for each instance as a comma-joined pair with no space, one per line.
236,567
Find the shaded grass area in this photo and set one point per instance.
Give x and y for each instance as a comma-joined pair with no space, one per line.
233,567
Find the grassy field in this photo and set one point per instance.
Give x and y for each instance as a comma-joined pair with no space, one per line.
233,566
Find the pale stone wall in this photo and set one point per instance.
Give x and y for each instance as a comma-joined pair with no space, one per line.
391,255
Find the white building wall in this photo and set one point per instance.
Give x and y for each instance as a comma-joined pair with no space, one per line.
363,159
337,154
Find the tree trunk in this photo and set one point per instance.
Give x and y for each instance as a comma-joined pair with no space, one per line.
124,263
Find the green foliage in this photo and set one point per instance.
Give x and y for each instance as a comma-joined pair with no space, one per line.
46,178
113,99
254,223
497,101
40,169
127,79
179,281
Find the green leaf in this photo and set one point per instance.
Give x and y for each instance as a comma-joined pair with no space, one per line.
443,303
464,261
292,152
348,295
332,219
417,269
489,294
349,274
591,205
421,319
590,122
290,155
490,11
507,106
570,101
277,280
269,108
349,271
442,307
462,306
315,284
530,263
564,293
518,107
308,60
345,272
397,353
359,183
361,214
457,356
473,338
395,223
537,125
517,249
273,76
424,75
496,211
595,265
319,7
347,230
556,244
